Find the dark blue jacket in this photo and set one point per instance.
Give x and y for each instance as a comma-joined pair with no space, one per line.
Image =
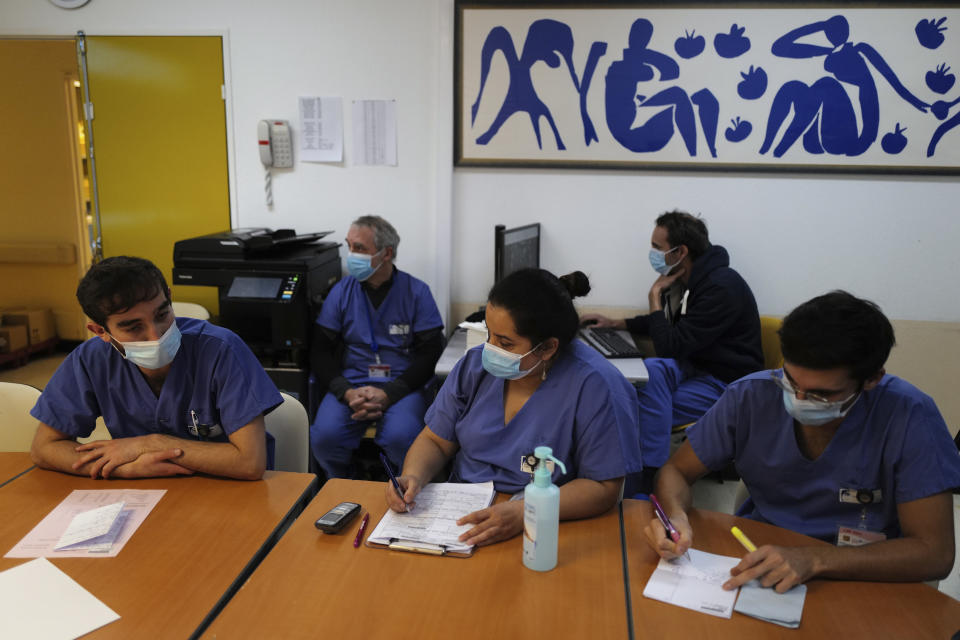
720,332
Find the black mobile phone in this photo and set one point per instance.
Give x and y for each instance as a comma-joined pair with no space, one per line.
338,517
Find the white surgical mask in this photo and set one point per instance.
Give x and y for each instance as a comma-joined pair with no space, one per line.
152,354
658,260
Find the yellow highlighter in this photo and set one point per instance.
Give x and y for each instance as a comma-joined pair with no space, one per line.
743,539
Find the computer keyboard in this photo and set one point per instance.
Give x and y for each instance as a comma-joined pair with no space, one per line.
609,342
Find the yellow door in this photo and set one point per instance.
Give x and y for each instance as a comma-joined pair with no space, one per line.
159,133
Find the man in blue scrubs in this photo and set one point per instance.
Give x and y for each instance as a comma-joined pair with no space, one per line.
832,447
380,336
177,395
705,329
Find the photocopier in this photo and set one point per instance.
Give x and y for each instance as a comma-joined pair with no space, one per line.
271,285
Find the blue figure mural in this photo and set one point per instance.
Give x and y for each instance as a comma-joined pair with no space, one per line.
930,33
623,101
941,109
733,44
689,45
545,39
823,113
939,81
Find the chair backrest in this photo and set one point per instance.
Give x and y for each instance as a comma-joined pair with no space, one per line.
770,342
17,426
99,432
290,428
190,310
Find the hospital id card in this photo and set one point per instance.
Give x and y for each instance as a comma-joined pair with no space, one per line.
380,371
852,537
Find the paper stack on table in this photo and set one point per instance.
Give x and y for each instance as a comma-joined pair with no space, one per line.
766,604
695,583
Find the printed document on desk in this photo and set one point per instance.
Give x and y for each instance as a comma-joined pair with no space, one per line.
695,583
45,538
434,519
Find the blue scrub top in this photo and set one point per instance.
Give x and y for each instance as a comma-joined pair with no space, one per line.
893,439
214,374
408,309
582,411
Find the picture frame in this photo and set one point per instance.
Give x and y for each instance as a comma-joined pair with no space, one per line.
722,86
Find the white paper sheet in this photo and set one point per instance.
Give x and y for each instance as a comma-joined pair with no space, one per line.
434,519
41,602
695,583
764,603
321,129
44,538
375,132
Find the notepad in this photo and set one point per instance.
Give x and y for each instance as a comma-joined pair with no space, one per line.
764,603
695,584
431,527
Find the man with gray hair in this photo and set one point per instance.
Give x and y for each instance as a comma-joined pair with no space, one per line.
378,340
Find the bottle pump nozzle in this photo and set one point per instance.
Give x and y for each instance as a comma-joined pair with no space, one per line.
541,476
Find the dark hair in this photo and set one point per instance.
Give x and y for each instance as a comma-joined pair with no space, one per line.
683,228
116,284
540,304
835,330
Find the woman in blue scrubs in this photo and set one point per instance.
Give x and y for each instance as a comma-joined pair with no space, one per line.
530,384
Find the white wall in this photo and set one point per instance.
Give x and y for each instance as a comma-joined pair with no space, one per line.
891,239
279,50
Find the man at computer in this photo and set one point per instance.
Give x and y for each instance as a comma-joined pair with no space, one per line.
829,446
177,395
378,340
705,329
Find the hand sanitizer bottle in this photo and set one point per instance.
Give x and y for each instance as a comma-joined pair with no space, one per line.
541,515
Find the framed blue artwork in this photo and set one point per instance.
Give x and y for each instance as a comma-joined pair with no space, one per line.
838,86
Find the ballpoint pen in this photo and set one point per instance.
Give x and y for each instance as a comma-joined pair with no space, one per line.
743,539
393,480
665,521
363,527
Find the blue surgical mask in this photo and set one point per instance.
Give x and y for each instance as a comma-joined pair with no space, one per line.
358,265
152,354
658,260
505,364
815,413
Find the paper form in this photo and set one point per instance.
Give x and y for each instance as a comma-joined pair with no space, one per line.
321,129
434,519
32,591
764,603
90,525
695,583
375,132
44,538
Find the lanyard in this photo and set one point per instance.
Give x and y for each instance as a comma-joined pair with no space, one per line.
373,338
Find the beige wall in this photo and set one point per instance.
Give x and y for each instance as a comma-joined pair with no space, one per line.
927,355
41,255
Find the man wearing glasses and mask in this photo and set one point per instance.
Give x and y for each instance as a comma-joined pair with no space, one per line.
829,446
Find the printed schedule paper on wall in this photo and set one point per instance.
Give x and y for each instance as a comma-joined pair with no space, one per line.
375,132
321,129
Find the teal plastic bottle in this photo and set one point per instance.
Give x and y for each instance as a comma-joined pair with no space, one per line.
541,515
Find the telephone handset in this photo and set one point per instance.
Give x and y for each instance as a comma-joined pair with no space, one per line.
276,146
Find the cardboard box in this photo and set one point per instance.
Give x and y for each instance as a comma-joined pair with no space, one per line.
13,338
39,323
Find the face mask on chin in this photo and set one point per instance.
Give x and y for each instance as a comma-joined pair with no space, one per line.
152,354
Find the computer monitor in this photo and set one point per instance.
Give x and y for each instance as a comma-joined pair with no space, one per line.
517,248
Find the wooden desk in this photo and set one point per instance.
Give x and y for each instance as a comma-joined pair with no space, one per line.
185,556
312,584
832,609
12,464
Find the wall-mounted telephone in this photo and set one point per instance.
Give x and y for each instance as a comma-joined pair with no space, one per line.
276,146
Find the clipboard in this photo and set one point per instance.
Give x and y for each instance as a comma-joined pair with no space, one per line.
431,528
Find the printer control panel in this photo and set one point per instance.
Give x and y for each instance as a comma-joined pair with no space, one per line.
289,288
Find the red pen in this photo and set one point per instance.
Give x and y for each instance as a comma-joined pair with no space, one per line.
363,527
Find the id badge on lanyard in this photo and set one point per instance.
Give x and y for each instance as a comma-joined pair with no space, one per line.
860,535
376,370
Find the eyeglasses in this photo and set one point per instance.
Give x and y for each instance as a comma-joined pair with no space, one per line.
781,380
